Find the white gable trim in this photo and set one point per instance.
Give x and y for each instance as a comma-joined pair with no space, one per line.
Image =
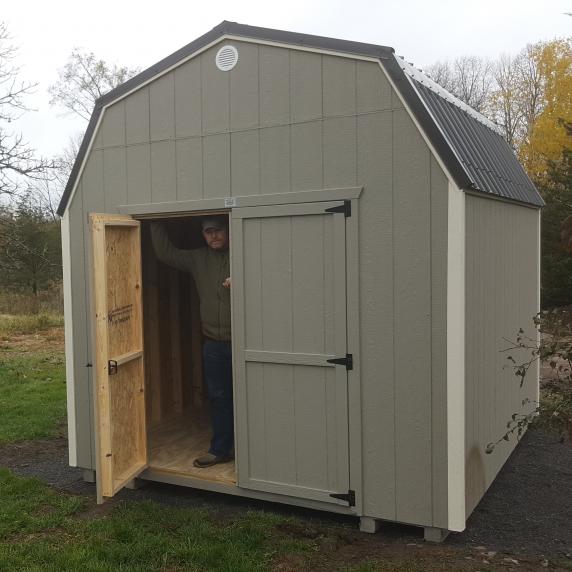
456,359
69,344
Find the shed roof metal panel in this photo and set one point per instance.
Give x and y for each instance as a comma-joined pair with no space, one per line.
472,148
491,163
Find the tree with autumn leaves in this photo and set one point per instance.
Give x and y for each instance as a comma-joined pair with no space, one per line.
530,97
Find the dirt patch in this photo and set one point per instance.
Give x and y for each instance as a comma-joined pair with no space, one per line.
400,552
49,340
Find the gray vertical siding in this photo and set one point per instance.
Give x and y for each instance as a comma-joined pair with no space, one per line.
286,120
501,297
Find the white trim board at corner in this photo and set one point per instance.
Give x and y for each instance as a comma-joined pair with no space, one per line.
69,346
456,360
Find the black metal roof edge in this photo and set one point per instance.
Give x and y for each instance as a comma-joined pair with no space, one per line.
428,124
521,188
223,29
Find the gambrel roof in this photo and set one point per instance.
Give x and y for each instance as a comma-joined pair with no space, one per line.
472,148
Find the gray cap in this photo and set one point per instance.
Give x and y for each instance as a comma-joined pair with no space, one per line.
212,223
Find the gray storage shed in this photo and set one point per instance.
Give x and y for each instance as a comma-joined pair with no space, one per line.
375,221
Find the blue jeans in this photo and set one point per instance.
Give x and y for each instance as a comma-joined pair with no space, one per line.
217,370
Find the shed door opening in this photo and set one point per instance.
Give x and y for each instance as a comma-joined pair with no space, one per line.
289,318
177,409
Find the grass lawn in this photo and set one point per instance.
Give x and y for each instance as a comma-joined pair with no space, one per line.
32,395
32,377
45,530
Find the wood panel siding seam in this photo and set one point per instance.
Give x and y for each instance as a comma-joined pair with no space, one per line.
431,356
295,433
203,166
291,264
323,155
103,178
174,136
150,153
290,95
432,400
356,130
393,202
290,132
125,150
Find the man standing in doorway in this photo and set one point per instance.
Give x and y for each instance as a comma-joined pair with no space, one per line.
210,269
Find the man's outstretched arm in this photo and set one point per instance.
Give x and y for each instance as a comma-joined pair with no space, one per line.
168,253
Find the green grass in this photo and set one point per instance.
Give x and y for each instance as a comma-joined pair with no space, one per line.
32,396
40,530
29,323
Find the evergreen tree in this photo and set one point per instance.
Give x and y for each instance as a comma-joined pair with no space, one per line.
556,260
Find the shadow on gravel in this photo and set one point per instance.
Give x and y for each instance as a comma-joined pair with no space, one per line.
527,510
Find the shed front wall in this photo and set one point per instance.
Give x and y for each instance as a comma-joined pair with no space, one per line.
287,120
502,296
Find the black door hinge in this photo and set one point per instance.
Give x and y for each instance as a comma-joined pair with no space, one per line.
348,361
88,365
349,497
345,208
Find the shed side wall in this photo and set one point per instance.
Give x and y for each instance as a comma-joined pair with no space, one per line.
284,120
501,297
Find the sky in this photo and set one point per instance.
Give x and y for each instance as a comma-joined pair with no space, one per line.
138,34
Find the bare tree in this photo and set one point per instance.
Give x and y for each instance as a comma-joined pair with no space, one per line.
17,159
84,79
504,106
468,78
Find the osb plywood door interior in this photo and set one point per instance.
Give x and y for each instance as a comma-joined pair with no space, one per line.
119,371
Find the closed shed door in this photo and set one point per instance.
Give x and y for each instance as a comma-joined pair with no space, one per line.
289,315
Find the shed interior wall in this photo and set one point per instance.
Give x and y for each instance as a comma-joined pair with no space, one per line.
286,120
501,297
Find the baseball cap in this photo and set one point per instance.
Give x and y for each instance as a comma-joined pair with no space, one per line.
212,223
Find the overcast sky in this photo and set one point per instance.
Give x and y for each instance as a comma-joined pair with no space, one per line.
141,33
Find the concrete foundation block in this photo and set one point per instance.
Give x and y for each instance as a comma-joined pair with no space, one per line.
369,524
436,535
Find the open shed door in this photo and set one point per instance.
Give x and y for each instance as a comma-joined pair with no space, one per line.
289,323
119,373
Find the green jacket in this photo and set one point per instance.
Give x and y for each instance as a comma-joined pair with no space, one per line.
209,269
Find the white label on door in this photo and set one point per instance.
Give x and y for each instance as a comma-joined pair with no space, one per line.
230,202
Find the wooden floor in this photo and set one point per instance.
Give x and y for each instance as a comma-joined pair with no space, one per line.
177,441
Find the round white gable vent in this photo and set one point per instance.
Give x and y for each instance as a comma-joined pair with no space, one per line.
226,58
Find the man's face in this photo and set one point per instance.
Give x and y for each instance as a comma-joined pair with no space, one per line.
217,239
